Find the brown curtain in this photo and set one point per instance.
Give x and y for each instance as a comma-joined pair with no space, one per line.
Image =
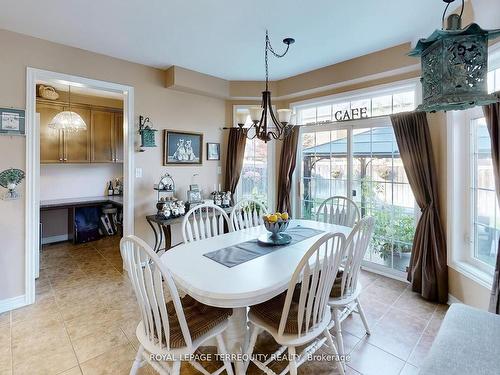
428,272
286,168
234,160
492,114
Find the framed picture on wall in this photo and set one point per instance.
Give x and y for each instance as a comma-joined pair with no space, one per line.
213,151
11,121
182,148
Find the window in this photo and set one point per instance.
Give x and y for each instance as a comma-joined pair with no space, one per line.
255,181
473,210
395,101
360,159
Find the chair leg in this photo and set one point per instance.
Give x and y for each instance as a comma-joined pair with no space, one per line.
338,331
137,361
293,363
363,316
222,350
176,368
254,333
329,339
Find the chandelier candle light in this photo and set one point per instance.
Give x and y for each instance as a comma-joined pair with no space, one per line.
68,120
265,123
455,65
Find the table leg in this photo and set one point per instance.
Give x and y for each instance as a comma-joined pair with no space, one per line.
157,245
236,337
168,236
160,233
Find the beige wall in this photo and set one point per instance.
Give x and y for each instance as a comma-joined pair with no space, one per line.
166,108
59,181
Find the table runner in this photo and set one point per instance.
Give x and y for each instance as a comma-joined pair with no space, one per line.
237,254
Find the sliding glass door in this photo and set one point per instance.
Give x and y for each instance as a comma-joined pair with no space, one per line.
360,160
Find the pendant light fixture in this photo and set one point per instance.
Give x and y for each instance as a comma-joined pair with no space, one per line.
455,65
266,125
68,121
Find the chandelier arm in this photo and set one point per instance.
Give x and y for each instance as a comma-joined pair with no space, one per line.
276,121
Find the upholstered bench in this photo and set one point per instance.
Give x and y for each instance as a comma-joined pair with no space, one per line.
468,342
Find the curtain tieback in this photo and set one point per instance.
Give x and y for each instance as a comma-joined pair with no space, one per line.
427,206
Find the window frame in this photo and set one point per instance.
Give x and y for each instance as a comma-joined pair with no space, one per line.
271,165
459,226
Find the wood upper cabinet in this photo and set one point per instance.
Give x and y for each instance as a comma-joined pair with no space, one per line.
118,138
51,150
103,124
102,142
77,144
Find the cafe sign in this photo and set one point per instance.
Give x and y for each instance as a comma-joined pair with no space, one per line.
351,114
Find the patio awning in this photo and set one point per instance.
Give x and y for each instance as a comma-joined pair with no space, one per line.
376,143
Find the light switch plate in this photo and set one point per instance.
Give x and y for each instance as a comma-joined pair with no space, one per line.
219,170
138,173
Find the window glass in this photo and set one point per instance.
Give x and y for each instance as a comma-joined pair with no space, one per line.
485,219
378,185
254,173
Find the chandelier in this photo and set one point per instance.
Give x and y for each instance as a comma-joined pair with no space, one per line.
266,125
68,121
455,65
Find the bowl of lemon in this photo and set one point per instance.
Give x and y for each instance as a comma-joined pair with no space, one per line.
275,225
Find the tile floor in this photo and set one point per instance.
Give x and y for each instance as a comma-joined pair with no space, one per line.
85,316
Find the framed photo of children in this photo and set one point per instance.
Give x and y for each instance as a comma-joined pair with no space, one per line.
182,148
213,151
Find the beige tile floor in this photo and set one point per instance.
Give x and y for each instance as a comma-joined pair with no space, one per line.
85,316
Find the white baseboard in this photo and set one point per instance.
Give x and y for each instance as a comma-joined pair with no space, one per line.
12,303
52,239
452,299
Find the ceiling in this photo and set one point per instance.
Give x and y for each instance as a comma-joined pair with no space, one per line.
225,38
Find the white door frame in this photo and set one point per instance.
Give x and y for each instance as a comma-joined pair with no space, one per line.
32,199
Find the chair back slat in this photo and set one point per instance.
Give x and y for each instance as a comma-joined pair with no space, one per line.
356,247
151,280
204,221
338,210
316,272
247,213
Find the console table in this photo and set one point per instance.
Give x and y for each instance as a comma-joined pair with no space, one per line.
162,228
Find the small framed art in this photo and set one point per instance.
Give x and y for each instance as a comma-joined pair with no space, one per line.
213,151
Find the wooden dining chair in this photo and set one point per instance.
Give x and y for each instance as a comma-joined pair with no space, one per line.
344,297
301,315
204,221
247,213
174,329
338,210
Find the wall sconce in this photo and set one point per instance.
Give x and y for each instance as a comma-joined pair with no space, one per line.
9,179
147,133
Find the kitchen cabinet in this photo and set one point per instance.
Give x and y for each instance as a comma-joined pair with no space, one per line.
102,142
102,136
118,138
76,145
51,141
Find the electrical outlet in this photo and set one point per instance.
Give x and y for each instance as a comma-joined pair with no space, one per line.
138,173
219,170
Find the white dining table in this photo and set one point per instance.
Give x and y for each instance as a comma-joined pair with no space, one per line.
243,285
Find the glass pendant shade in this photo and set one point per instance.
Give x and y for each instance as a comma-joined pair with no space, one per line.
68,121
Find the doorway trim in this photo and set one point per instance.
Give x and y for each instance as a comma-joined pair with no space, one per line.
32,198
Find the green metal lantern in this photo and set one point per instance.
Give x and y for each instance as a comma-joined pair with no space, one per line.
147,133
455,67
